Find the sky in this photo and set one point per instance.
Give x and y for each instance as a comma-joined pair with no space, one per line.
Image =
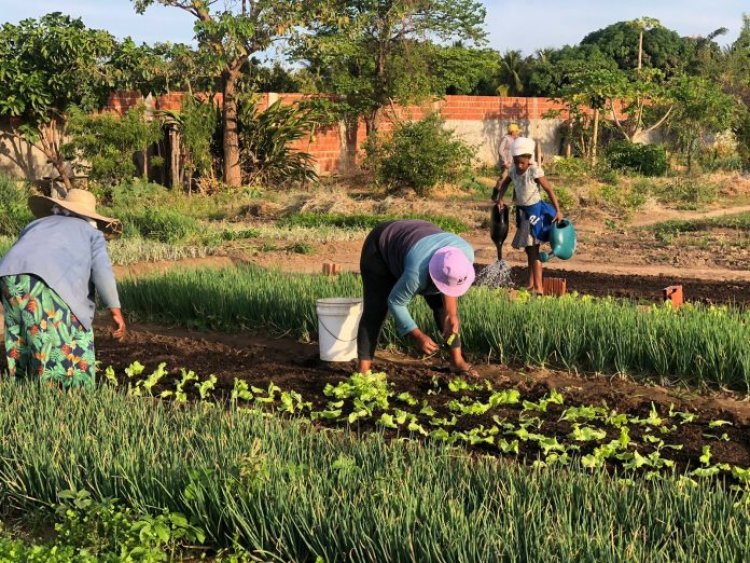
526,25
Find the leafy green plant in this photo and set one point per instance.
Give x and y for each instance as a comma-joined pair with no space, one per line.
649,160
364,221
104,144
267,137
418,155
14,211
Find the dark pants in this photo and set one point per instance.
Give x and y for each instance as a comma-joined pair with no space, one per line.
377,283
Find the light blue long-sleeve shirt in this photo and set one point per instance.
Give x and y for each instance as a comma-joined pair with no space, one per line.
416,278
71,257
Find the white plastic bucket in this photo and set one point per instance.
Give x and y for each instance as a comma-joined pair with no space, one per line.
338,321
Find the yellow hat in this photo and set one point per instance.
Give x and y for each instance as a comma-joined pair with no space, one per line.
513,128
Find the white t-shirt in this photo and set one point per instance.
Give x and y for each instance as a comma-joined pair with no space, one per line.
525,189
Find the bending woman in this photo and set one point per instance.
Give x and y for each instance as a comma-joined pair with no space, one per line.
48,281
403,259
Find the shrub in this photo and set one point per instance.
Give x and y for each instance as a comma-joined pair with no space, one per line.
363,221
687,193
104,144
14,211
418,155
649,160
266,137
160,224
572,167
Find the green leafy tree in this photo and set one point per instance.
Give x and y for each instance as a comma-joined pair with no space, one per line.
641,43
105,144
512,70
376,51
47,66
701,109
229,33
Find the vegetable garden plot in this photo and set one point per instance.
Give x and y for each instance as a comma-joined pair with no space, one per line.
600,427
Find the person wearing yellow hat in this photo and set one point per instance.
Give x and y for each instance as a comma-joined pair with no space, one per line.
504,150
49,281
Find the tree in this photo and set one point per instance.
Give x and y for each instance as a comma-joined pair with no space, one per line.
701,109
230,36
641,43
47,66
105,144
376,51
512,69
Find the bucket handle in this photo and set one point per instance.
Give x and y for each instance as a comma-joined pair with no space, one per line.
333,335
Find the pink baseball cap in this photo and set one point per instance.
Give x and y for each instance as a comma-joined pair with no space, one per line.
451,271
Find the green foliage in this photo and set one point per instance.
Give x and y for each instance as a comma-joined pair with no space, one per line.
105,144
266,138
666,231
158,223
662,48
418,155
701,109
648,160
687,192
285,491
198,124
695,344
14,211
569,168
364,222
48,65
375,51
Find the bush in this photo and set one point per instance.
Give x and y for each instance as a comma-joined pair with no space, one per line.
14,211
160,224
266,139
687,193
104,144
363,221
572,167
418,155
649,160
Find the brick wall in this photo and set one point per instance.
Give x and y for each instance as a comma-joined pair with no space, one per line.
479,120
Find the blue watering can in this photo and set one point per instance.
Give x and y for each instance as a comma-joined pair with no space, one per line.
562,239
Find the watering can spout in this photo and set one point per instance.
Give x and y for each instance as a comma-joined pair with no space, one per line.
499,228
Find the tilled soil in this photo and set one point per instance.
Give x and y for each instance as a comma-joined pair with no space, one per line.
295,366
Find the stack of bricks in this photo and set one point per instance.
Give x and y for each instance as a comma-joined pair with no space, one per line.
674,295
555,286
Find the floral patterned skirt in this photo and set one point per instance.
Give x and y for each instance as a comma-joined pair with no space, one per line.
43,338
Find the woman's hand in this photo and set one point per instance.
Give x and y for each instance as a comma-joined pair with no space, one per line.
119,322
424,343
451,325
559,216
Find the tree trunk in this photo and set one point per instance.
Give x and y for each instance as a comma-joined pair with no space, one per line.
640,51
595,137
231,140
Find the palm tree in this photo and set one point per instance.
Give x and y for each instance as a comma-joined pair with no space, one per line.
511,70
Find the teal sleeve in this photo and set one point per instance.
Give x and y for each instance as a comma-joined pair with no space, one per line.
403,293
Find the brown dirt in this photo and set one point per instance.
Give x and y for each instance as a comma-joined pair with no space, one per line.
295,366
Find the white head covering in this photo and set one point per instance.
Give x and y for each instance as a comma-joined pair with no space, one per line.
523,145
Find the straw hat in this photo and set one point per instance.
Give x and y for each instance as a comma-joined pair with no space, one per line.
78,202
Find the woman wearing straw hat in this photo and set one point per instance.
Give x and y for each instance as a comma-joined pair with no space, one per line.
48,281
403,259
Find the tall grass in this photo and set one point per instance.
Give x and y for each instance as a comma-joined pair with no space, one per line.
697,345
295,492
364,221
